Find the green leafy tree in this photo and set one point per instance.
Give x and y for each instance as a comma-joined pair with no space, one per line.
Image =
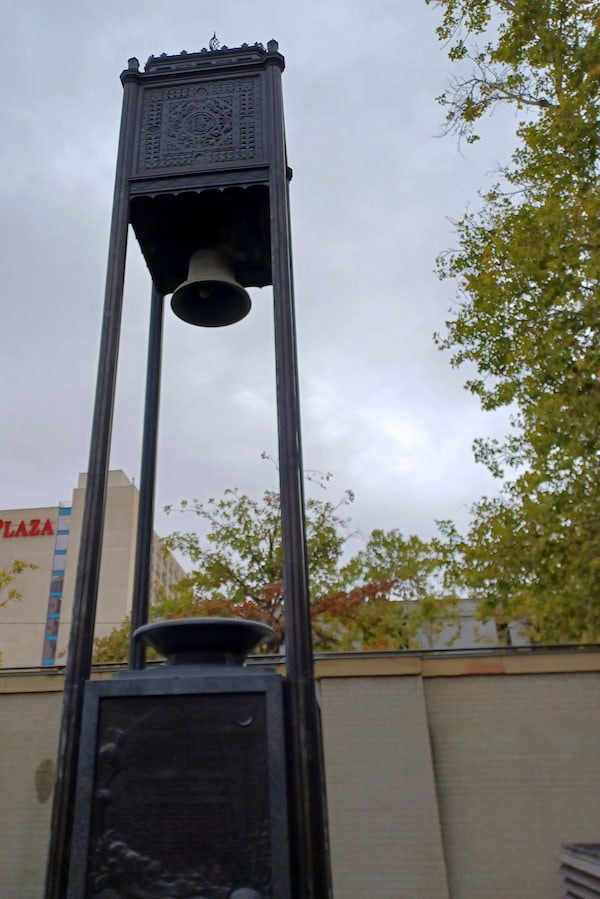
8,575
527,268
114,647
415,580
8,592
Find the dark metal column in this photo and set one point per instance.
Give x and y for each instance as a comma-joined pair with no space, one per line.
88,569
309,837
143,552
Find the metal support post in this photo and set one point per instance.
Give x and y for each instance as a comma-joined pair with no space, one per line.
143,553
88,569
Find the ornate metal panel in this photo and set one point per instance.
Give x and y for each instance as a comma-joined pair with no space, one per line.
181,796
195,126
182,790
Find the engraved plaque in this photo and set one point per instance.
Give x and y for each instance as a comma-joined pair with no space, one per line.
193,127
181,800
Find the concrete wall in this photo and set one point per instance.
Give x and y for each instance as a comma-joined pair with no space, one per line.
29,727
448,778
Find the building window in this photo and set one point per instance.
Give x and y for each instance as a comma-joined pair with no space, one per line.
64,518
62,541
54,604
51,628
56,586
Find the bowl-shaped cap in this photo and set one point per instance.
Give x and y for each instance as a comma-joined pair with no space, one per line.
204,641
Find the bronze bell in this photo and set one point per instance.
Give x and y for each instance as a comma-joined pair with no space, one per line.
211,297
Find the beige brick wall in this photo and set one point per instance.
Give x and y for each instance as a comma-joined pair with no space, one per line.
517,760
449,778
385,832
29,728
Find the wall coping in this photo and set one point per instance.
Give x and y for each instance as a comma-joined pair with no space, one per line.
536,660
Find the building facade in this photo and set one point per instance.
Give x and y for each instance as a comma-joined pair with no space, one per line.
35,630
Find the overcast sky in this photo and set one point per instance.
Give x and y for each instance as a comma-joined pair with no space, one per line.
374,190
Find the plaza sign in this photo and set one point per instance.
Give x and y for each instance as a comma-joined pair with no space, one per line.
33,529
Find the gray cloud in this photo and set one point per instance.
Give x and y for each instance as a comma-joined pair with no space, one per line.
372,194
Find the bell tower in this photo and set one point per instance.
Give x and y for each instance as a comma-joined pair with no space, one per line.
202,177
201,168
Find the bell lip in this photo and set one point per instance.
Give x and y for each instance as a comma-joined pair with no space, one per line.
209,637
245,304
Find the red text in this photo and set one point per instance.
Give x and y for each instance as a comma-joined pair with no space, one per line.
34,529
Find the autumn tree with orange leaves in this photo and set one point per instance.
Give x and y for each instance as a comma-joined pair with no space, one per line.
393,594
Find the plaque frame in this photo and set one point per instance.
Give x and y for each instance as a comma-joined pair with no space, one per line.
185,682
